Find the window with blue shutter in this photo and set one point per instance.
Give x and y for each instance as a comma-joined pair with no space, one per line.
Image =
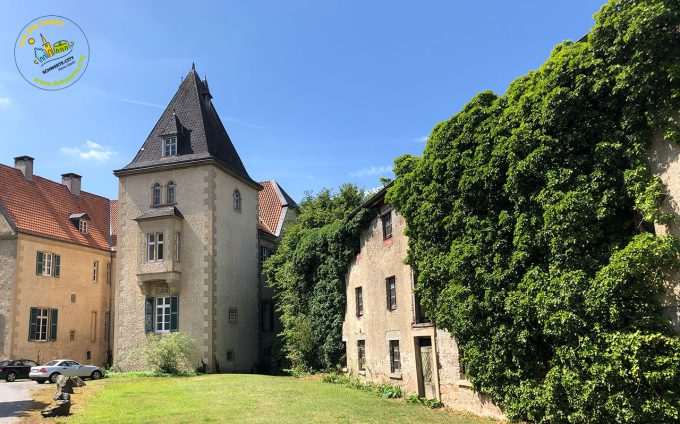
33,324
57,262
53,324
39,263
174,313
148,314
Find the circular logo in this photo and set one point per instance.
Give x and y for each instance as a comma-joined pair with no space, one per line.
51,52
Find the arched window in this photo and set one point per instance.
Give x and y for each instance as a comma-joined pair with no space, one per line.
237,201
156,194
171,193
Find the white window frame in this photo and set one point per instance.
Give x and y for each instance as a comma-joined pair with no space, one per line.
95,271
171,187
170,146
157,189
160,250
48,263
162,314
42,326
82,226
155,247
178,244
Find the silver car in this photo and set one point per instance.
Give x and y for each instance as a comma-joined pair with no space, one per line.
53,369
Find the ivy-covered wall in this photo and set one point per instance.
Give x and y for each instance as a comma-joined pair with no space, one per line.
524,222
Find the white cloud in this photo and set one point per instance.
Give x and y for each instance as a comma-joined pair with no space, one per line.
141,103
421,139
373,170
88,151
5,101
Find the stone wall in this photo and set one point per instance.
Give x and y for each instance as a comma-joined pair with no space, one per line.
8,253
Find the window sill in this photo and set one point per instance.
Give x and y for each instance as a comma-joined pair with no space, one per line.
362,373
162,205
396,376
388,241
422,325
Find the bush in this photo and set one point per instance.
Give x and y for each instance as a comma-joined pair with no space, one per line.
169,354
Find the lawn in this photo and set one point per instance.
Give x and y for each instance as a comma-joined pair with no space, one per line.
241,398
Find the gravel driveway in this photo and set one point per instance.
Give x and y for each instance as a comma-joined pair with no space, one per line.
15,399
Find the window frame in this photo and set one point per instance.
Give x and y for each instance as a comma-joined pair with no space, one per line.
386,219
235,315
266,316
83,226
170,146
47,269
395,356
178,247
171,187
236,200
42,324
359,301
361,355
155,251
163,310
95,271
391,291
156,194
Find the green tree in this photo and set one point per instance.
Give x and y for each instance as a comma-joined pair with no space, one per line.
522,227
308,274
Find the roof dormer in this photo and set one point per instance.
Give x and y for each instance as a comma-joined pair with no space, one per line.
81,221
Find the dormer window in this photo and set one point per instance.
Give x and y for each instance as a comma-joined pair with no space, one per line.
237,201
156,194
170,146
83,226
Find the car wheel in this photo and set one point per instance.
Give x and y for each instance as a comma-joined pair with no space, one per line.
53,377
96,375
11,376
40,381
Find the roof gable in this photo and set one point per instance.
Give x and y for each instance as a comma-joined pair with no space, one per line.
201,136
43,208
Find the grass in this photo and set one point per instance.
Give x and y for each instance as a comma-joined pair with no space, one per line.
243,398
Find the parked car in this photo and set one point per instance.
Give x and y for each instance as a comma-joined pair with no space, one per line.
69,368
17,368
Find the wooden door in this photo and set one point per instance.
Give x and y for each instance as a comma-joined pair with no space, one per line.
427,370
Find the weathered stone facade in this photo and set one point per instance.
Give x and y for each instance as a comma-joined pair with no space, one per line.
8,256
428,357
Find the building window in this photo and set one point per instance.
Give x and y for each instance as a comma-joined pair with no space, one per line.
359,296
267,316
154,243
93,326
89,354
391,288
108,272
73,298
264,254
95,271
47,264
233,314
82,225
161,314
156,194
361,354
395,360
230,355
178,244
170,146
387,225
72,335
171,193
42,324
237,201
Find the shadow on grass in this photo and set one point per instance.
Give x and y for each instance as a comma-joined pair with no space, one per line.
20,408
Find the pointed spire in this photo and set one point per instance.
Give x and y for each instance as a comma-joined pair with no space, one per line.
193,66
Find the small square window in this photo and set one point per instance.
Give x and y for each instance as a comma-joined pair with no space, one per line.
73,298
72,335
233,314
89,355
230,356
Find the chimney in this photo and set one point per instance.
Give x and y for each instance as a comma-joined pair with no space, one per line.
25,165
72,181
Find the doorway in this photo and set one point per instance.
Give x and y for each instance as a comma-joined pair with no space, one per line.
425,367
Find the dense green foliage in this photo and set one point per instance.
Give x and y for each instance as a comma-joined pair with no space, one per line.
168,354
523,216
308,274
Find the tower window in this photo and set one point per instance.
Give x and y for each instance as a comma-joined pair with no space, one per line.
156,194
170,146
171,193
83,226
237,201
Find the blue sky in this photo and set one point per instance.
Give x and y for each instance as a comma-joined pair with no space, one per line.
313,93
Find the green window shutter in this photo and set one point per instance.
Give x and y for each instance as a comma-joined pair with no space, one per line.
53,324
32,324
39,263
148,314
174,313
57,261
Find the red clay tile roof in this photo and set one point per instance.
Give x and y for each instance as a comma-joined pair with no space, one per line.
42,207
113,214
272,200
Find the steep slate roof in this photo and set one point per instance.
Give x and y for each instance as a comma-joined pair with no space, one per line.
273,201
201,137
42,207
